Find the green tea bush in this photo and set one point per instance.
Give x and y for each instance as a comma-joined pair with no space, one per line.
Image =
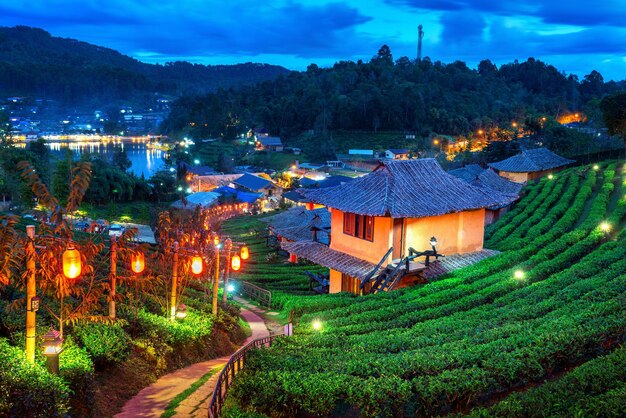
105,343
28,390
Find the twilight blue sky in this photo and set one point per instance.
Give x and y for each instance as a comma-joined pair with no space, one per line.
576,36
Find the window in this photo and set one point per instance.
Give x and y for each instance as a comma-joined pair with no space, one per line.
359,226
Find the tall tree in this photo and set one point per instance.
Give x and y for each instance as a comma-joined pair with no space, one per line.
614,114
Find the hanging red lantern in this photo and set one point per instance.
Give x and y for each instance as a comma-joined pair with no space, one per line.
138,262
72,265
196,264
235,263
244,253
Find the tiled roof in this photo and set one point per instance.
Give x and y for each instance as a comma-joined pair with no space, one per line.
204,199
532,160
324,256
252,182
267,141
488,179
405,189
295,224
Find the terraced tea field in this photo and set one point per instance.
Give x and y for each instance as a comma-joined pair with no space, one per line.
537,330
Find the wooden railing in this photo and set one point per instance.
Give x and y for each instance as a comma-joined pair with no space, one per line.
236,362
263,296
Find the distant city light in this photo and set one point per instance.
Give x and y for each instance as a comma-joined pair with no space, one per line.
196,161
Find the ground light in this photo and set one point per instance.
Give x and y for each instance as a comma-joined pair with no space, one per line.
181,311
596,167
519,274
52,346
550,176
230,288
317,325
605,226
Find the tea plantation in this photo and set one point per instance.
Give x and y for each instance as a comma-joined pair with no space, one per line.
485,341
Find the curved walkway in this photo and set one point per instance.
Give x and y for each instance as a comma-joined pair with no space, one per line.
152,401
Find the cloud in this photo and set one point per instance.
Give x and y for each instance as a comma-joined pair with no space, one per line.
195,27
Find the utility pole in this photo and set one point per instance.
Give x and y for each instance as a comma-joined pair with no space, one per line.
113,277
174,284
217,279
31,292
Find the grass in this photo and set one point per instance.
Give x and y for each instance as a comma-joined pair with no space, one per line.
170,411
135,212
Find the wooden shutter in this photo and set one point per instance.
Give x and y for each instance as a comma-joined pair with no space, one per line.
369,228
348,223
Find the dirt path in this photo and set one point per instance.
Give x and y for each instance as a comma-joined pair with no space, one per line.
152,401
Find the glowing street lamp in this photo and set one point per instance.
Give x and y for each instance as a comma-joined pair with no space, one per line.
235,263
138,262
196,265
52,346
245,253
72,265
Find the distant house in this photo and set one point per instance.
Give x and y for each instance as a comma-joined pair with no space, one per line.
269,191
380,220
361,152
488,180
269,143
203,199
530,165
397,154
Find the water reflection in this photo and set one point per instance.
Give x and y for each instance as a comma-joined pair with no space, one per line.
144,160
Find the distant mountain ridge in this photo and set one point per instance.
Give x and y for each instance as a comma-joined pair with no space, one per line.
35,63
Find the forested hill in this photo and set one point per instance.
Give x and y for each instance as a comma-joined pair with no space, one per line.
388,95
37,64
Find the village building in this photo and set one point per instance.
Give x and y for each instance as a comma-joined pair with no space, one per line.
490,181
300,224
269,143
530,165
397,154
271,193
381,221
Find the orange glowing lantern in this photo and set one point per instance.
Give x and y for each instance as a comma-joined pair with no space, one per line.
244,253
138,262
216,240
235,263
196,264
72,265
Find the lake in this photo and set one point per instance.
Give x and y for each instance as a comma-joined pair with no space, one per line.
144,160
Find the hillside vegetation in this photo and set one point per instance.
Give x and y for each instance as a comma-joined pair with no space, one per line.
34,63
478,340
423,98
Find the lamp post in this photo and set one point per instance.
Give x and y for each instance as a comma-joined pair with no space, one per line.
113,277
174,284
216,242
52,346
228,245
31,293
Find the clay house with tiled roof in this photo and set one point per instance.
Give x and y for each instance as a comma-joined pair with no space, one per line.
530,165
381,221
488,180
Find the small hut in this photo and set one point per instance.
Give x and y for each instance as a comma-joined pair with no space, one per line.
488,180
530,164
391,212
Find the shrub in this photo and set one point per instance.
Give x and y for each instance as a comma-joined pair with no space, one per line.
77,370
105,343
28,390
